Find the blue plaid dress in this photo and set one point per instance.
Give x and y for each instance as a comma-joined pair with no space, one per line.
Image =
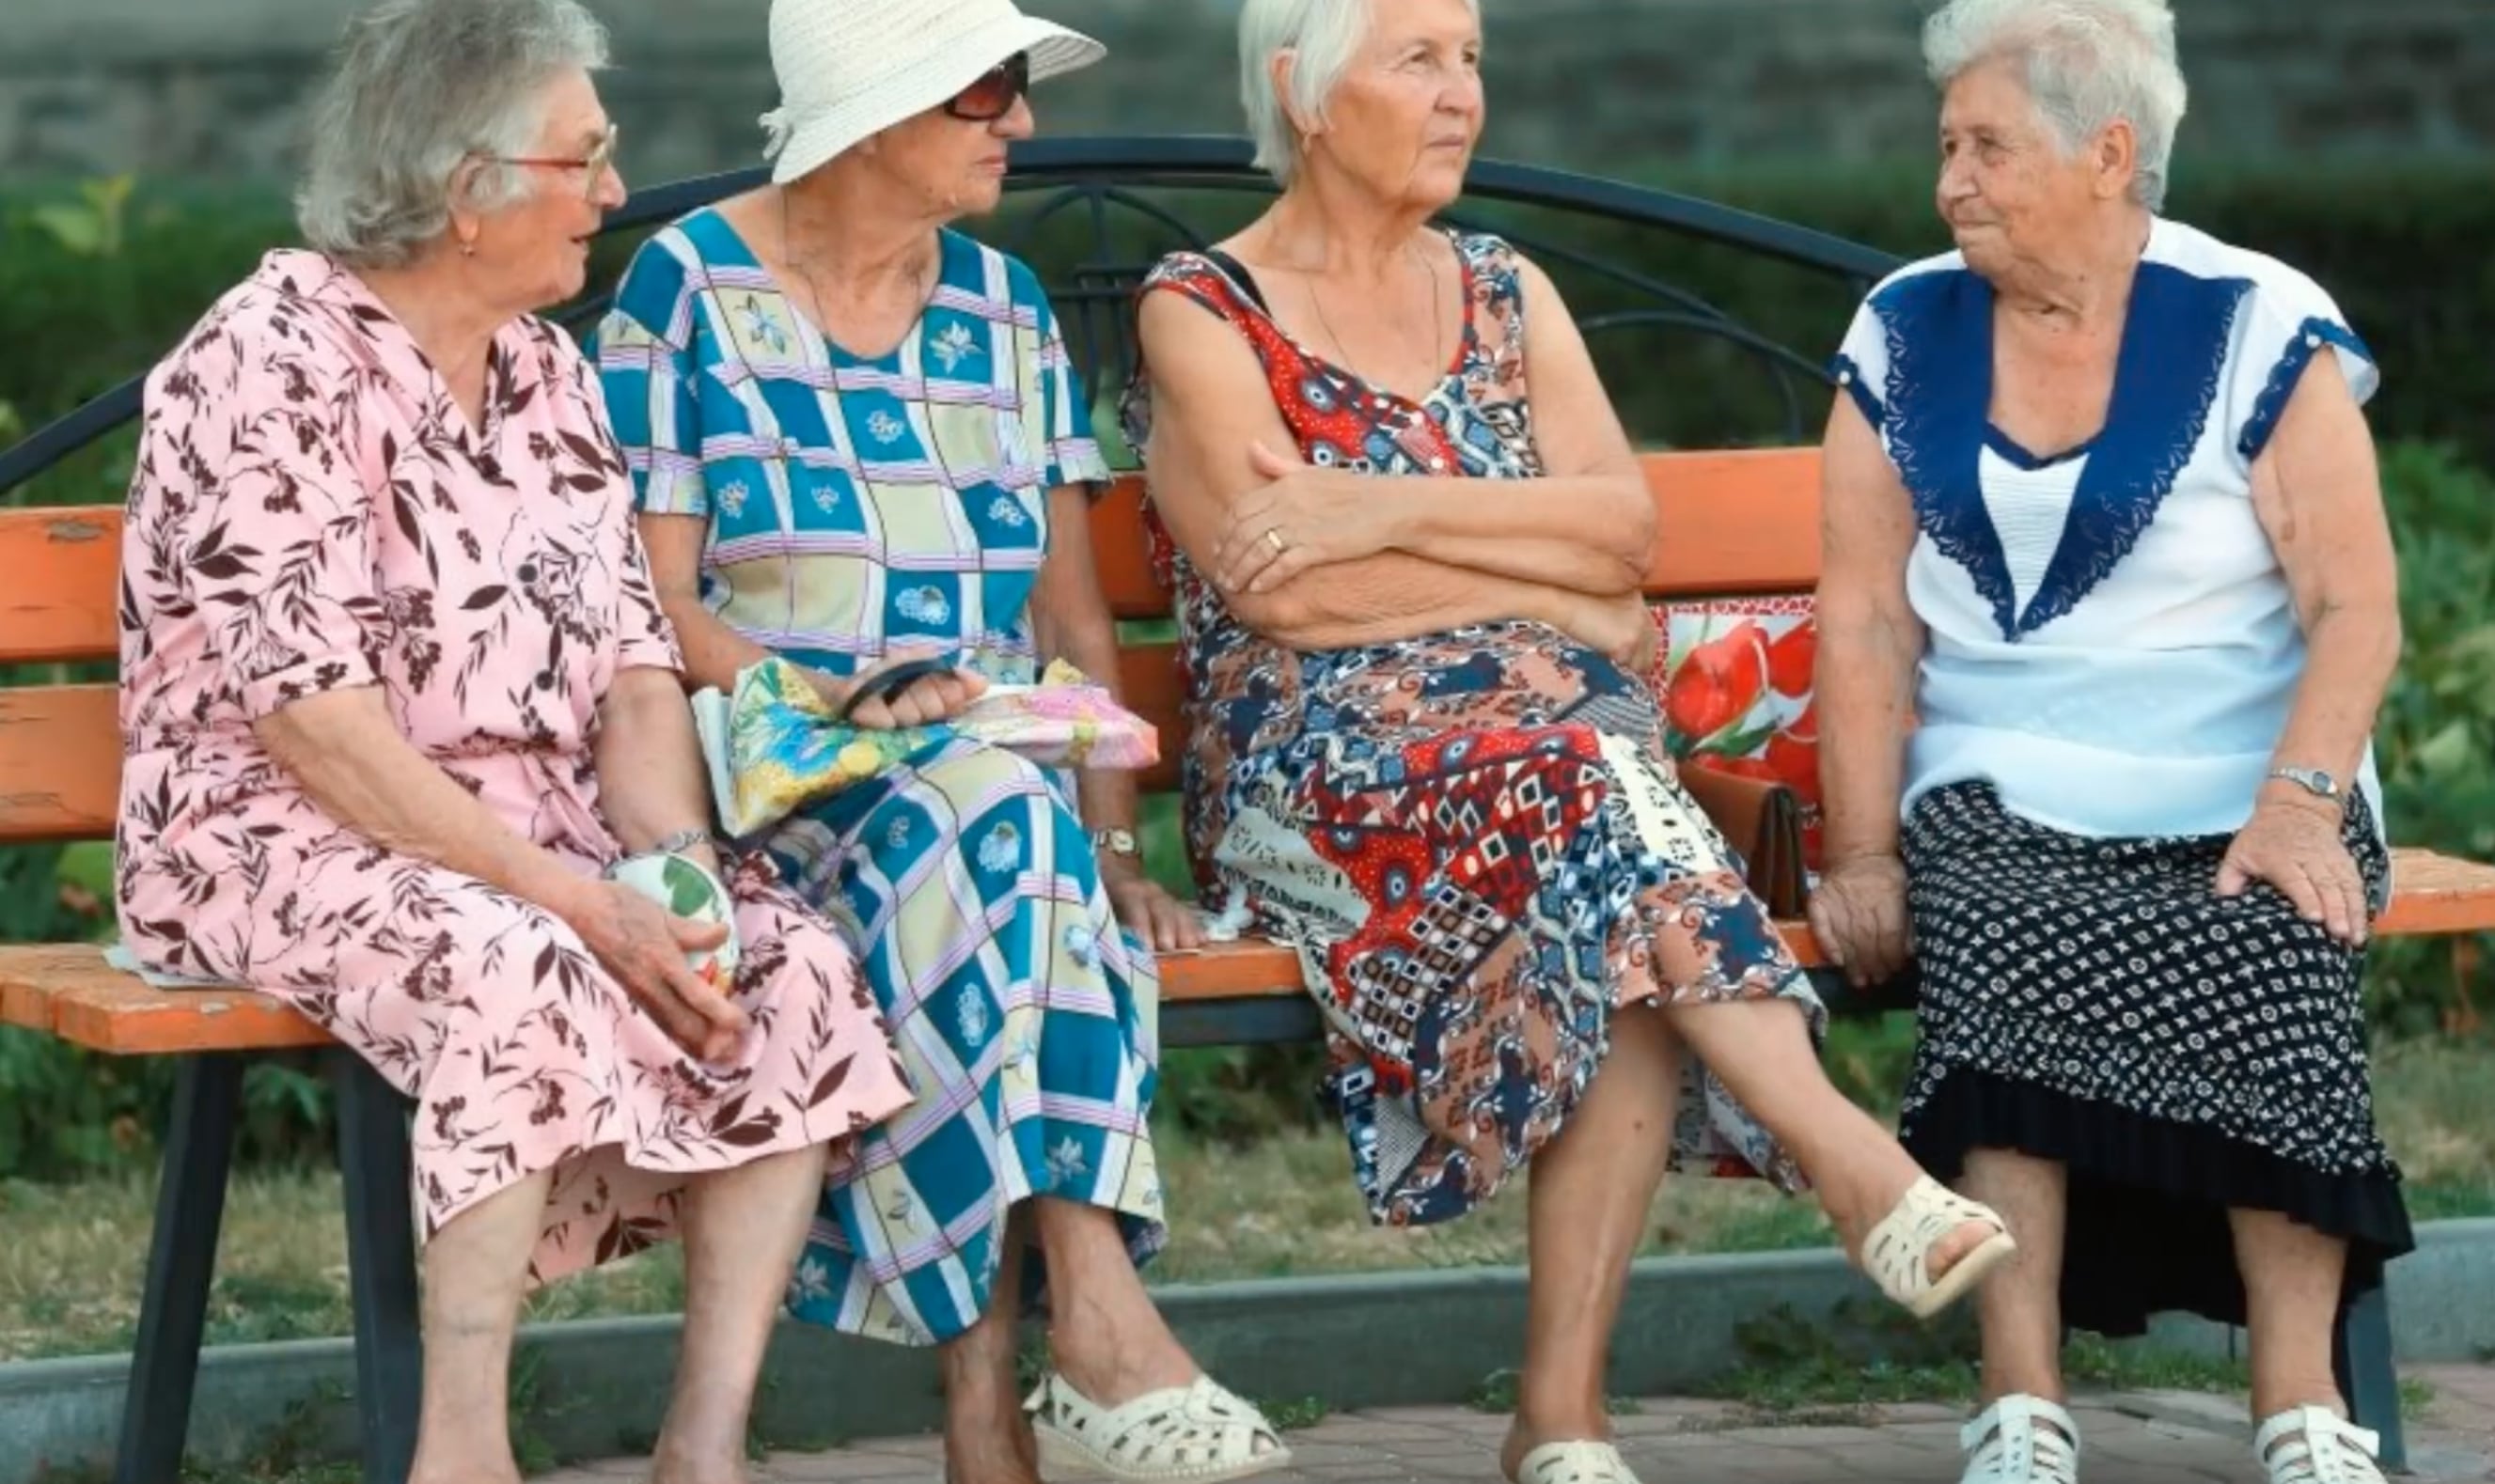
854,504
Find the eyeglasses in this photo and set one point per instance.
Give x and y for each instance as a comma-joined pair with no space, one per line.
593,166
995,94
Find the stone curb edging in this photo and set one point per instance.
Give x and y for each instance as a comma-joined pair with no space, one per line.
597,1387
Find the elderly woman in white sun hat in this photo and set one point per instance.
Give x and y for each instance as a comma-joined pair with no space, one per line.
856,441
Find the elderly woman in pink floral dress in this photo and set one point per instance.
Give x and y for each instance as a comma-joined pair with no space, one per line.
395,689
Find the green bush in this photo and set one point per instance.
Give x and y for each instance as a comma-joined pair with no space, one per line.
2436,736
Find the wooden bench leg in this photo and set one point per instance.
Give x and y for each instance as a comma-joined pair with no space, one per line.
2361,1356
181,1262
381,1263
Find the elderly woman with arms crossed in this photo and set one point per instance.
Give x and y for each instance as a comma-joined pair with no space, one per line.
2103,516
858,440
396,689
1408,535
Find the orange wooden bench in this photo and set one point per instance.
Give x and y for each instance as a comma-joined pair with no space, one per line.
1734,523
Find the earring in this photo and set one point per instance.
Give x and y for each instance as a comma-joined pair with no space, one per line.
467,249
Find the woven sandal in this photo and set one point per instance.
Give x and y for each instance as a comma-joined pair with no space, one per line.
2021,1440
1574,1463
2316,1445
1197,1434
1898,1252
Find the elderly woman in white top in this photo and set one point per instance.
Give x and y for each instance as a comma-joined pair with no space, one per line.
2102,516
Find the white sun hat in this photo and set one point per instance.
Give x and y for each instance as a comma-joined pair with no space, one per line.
848,69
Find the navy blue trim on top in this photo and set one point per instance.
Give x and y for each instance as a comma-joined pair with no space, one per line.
2014,453
2271,404
1850,377
1939,326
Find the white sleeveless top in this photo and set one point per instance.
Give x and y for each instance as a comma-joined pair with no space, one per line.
2112,642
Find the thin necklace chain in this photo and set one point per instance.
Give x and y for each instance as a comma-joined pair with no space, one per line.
1437,323
805,270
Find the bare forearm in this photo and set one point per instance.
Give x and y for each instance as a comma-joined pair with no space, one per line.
713,652
1385,598
351,758
1864,691
1589,534
2351,655
651,780
1090,644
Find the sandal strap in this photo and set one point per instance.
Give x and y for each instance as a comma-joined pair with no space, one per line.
1898,1253
2316,1445
1174,1434
1582,1461
2021,1440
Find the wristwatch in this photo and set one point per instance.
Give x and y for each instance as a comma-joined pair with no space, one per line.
1115,842
2312,780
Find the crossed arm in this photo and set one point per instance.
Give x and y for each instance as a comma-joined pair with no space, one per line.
1361,558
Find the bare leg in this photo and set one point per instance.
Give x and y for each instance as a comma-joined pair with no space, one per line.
987,1438
743,1230
1592,1188
2291,1278
1108,1340
1761,1050
475,1269
2020,1305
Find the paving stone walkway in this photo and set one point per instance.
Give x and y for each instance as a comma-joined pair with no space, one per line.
2147,1437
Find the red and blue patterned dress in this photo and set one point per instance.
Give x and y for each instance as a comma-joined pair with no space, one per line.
1474,839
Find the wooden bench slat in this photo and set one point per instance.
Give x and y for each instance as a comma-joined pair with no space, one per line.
69,990
64,575
2432,893
1741,522
1733,522
60,763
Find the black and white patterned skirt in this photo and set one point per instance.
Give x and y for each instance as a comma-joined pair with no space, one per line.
2096,1003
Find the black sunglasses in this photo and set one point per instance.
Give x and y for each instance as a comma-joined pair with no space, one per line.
995,94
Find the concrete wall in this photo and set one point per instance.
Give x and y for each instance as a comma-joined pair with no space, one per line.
212,88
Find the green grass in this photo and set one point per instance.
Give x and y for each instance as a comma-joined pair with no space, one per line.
1281,1205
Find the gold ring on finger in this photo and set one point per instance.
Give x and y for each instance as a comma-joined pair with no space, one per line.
1274,535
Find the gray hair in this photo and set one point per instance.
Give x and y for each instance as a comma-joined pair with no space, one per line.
2088,63
1323,36
419,86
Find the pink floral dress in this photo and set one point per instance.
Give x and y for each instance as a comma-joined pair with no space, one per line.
312,511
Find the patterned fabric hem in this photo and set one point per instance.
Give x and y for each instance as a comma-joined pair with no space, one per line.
2102,1072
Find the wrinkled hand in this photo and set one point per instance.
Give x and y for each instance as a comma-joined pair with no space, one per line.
1620,627
1858,912
1165,923
931,699
644,946
1301,518
2293,845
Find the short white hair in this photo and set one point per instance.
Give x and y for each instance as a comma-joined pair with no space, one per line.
1323,36
2087,62
419,87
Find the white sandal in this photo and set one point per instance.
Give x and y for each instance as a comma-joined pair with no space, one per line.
1582,1461
1197,1434
2021,1440
1899,1252
2316,1445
